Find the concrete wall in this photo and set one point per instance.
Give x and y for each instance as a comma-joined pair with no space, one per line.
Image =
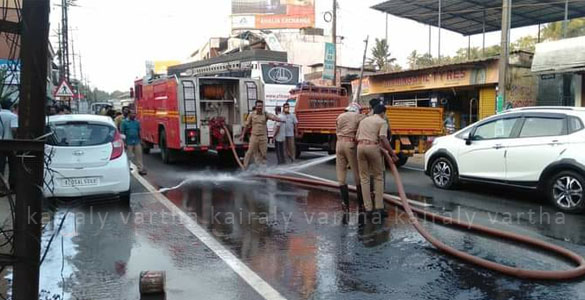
522,87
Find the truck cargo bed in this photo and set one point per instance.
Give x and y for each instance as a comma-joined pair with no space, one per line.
318,120
415,120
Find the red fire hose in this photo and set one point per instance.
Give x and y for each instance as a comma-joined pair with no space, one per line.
573,273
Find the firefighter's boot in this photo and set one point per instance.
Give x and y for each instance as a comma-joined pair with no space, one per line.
344,197
360,196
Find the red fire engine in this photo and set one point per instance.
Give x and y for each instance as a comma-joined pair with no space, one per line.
192,114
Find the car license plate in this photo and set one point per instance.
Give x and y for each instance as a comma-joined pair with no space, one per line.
84,181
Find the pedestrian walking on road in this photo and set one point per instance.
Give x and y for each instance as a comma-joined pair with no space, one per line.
291,131
279,137
346,151
8,126
121,117
449,123
256,124
131,129
372,137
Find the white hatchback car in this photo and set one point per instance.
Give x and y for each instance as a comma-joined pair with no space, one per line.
87,158
535,148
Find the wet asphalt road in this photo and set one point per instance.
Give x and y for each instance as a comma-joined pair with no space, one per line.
297,240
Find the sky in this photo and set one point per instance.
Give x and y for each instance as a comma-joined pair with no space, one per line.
114,38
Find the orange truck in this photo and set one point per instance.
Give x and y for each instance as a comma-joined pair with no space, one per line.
317,109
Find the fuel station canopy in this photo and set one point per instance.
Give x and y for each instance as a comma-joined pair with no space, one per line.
478,16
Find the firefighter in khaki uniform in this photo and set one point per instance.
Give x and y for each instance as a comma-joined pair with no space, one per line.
346,151
372,139
258,145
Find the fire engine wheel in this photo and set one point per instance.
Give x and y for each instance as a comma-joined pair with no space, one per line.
146,146
227,159
165,153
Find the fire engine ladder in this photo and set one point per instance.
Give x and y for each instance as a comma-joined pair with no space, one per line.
190,105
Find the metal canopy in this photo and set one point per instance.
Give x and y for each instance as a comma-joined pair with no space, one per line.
467,16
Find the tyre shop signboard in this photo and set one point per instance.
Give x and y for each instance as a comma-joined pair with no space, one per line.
434,78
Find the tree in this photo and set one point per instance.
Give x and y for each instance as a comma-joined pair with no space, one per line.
413,59
526,43
554,31
416,60
381,57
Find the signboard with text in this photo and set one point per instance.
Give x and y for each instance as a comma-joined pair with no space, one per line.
329,62
433,79
273,14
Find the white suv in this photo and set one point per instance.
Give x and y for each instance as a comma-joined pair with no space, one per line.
535,148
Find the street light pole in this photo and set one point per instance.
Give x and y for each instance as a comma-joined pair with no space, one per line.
505,53
334,41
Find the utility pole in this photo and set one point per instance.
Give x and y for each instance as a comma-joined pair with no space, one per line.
73,58
439,39
29,170
60,53
65,38
566,20
386,27
505,53
334,41
81,80
74,75
359,90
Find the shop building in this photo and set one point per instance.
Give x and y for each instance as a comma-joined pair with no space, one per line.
467,89
560,67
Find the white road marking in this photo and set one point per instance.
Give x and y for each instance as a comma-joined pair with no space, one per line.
253,279
411,168
412,202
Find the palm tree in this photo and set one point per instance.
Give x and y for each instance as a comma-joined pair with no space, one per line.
381,56
413,59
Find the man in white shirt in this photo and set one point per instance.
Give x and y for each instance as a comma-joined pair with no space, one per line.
8,126
291,131
279,137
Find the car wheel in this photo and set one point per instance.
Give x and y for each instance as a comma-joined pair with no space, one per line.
298,151
332,145
443,173
565,190
165,152
125,199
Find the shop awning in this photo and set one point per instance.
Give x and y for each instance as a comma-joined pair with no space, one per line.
468,17
564,56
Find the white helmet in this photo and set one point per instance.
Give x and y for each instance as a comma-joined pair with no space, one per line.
354,107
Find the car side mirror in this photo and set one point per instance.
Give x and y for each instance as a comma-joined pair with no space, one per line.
468,141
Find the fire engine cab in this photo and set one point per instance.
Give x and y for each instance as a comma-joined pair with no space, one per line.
194,114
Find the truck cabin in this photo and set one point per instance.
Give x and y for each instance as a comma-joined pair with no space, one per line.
316,97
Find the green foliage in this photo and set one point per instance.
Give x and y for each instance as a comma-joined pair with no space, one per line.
381,57
554,31
525,43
